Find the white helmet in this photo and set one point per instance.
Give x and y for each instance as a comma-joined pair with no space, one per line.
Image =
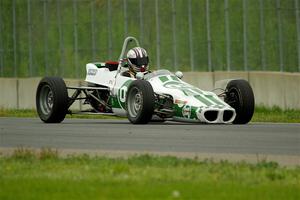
138,59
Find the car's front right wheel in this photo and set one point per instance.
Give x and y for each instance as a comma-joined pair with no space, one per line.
140,102
239,95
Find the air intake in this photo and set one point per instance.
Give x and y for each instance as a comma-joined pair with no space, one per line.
211,115
227,115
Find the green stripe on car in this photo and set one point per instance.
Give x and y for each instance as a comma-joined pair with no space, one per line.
174,78
203,100
210,97
163,78
194,113
196,90
177,110
114,102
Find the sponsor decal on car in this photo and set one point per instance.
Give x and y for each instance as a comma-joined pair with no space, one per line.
92,72
180,103
186,111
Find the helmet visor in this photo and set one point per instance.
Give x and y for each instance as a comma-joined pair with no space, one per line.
139,61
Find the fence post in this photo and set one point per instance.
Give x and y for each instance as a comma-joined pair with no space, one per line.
157,35
208,36
191,35
75,35
262,34
45,21
125,18
280,35
93,30
15,39
109,29
227,32
174,35
245,35
298,31
29,37
1,44
61,39
141,23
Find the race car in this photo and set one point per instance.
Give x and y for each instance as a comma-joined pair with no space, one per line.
155,96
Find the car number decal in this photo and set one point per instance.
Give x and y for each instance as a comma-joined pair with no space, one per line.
122,93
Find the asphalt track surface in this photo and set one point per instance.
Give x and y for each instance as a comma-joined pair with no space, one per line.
120,135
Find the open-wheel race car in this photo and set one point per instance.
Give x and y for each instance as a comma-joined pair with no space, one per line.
159,96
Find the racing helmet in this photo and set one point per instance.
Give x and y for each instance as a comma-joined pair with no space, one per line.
138,59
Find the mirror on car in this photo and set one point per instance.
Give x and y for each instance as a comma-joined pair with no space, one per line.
179,74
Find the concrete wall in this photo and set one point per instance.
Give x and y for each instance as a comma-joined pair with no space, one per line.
20,93
8,93
26,92
270,88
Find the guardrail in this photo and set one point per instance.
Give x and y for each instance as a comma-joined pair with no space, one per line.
280,89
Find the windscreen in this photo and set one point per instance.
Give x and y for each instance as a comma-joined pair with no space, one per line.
157,73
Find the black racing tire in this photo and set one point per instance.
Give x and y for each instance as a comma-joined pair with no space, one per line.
239,95
140,102
52,100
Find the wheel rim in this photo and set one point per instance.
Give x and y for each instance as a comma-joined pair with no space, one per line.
233,98
46,100
134,102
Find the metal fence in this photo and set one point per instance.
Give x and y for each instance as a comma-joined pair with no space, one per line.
57,37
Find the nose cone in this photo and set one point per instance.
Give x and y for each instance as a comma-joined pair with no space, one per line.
228,115
216,115
211,115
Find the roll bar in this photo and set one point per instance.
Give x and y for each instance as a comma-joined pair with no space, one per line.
125,44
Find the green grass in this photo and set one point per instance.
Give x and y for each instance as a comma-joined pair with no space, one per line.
53,47
32,113
276,114
45,175
18,113
261,114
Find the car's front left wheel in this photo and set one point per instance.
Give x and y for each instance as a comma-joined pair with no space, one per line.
140,102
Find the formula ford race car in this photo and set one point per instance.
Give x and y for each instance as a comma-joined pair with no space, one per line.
158,96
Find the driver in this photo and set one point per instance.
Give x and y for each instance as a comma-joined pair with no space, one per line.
138,61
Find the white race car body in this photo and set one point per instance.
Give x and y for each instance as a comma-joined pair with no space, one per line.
157,96
189,103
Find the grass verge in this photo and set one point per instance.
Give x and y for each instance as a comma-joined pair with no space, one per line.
33,113
261,114
275,114
45,175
